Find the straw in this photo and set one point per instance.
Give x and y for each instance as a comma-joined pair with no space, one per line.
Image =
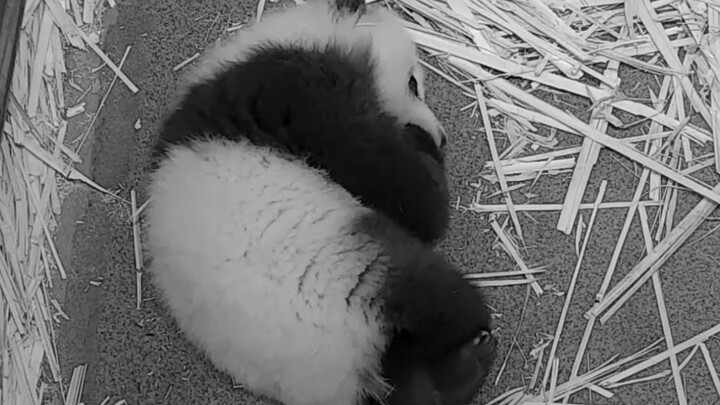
33,153
518,52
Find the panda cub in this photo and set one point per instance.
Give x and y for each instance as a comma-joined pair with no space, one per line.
297,182
342,88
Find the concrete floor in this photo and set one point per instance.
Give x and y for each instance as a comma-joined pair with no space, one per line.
142,357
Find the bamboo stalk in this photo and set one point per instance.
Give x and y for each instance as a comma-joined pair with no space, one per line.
573,280
649,18
493,208
592,133
654,260
711,366
662,356
586,161
510,248
496,161
138,249
713,51
662,310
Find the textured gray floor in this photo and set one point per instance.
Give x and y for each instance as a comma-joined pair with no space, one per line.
142,357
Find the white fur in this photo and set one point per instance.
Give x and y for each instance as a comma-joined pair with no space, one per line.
316,24
233,230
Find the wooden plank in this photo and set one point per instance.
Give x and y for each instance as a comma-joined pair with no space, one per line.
11,14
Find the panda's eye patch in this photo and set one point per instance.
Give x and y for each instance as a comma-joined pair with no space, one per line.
413,86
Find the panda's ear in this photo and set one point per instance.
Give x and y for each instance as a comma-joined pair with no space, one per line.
350,6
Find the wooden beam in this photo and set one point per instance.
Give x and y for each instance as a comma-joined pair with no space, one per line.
11,14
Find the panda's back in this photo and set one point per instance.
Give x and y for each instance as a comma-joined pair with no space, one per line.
260,260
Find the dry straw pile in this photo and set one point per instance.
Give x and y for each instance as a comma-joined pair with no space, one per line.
34,155
502,53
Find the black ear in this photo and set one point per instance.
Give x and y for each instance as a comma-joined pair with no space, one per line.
351,6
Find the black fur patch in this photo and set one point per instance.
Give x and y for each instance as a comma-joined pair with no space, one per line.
452,378
351,6
434,316
438,315
435,304
322,104
422,141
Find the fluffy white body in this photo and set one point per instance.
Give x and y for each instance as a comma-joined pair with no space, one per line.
259,260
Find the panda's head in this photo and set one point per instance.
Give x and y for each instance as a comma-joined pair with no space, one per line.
450,378
398,75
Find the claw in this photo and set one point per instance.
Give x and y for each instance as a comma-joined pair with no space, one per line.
485,337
